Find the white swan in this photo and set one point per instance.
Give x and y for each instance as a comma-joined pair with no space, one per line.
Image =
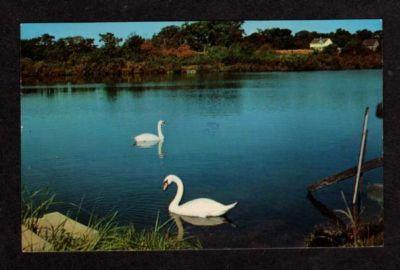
148,137
196,208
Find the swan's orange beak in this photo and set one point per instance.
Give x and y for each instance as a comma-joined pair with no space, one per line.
165,185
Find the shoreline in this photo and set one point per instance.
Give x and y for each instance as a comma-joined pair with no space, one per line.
158,77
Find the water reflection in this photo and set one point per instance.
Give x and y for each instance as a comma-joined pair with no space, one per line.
197,221
276,130
149,144
111,92
324,210
375,193
139,78
50,92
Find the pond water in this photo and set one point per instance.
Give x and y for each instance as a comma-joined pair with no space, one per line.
256,138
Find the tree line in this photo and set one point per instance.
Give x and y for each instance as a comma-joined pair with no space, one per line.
208,44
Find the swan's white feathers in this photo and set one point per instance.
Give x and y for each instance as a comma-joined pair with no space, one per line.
202,207
146,137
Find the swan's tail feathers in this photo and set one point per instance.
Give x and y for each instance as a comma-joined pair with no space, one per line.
230,206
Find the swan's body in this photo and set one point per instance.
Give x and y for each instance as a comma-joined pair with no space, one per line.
201,207
148,137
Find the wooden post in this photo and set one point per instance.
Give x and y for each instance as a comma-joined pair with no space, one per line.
361,156
346,174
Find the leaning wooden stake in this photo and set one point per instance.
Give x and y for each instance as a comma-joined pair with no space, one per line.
346,174
361,156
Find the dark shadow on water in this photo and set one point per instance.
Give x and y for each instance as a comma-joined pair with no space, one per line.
82,89
135,78
50,92
199,81
112,93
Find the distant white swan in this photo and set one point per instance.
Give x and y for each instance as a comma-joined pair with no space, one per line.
148,137
201,207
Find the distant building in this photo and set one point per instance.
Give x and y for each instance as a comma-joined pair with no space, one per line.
371,44
320,43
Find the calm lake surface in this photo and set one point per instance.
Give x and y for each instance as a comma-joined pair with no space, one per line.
256,138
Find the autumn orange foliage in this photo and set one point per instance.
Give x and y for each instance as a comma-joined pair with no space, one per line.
182,51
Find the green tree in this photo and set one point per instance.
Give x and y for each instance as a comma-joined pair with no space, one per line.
30,49
354,46
46,40
131,47
257,39
110,48
331,49
168,37
341,37
378,34
364,34
204,34
279,38
303,38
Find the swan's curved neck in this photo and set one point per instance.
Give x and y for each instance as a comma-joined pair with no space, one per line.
179,193
160,134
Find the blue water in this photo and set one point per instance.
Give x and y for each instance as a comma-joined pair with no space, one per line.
255,138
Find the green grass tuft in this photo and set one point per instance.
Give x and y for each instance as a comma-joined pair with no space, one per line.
110,236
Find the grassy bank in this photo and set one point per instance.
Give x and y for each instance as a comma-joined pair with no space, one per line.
110,236
200,63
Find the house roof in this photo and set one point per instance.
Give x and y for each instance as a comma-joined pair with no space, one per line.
319,40
370,42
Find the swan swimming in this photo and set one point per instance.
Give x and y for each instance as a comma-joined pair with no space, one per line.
201,207
148,137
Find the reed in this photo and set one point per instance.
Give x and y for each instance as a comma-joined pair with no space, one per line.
355,232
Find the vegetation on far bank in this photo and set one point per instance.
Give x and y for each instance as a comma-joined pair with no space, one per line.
206,46
111,236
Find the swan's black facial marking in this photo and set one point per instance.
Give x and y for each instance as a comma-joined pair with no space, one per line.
165,185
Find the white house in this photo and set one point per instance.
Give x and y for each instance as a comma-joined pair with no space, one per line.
371,44
320,43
